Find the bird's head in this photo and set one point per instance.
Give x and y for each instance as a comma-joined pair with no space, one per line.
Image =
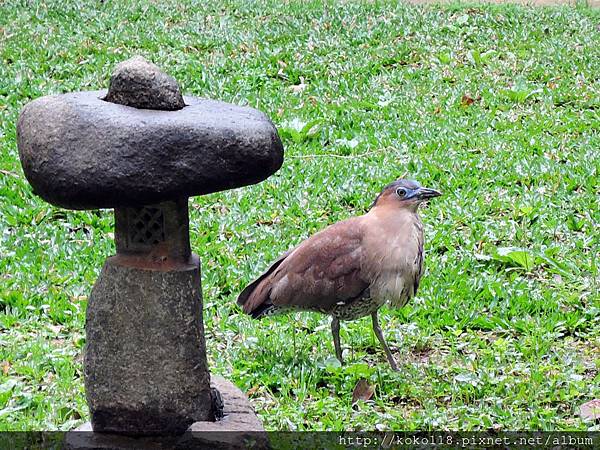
404,194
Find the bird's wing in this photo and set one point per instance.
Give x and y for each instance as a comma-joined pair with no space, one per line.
319,273
419,264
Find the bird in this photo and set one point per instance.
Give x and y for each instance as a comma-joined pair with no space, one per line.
351,268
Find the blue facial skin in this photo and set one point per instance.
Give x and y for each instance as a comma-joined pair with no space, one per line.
407,192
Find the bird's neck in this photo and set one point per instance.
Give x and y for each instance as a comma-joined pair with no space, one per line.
393,217
394,227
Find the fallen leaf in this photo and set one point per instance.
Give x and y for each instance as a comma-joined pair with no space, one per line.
362,391
49,377
467,100
297,88
5,367
557,278
590,410
253,390
56,329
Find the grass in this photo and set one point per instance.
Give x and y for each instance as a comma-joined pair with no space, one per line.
497,106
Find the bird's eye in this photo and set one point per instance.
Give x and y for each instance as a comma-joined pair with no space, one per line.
401,192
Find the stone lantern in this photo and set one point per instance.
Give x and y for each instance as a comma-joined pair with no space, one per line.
144,149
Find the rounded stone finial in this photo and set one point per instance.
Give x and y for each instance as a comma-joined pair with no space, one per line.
141,84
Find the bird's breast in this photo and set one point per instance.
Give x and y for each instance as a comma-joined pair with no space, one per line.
393,260
392,287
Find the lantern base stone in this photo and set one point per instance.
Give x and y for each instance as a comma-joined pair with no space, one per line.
238,429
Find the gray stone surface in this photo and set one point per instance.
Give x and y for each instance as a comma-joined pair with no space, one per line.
141,84
239,429
145,359
81,152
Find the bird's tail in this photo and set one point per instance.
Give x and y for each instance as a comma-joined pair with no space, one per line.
255,298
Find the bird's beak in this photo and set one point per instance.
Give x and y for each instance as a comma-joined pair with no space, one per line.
426,193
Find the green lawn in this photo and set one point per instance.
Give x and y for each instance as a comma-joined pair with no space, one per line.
497,106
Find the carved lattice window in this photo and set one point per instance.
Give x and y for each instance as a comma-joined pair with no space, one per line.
146,226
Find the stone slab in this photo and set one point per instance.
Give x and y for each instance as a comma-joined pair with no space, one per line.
236,430
81,152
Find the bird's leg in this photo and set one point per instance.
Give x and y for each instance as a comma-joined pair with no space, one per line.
294,336
335,330
379,334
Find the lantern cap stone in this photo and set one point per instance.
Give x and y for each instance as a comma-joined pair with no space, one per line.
141,84
79,151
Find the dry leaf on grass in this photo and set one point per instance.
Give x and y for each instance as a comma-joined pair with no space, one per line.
297,88
467,100
253,390
362,391
590,410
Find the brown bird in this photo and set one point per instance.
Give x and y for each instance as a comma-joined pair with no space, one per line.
351,268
